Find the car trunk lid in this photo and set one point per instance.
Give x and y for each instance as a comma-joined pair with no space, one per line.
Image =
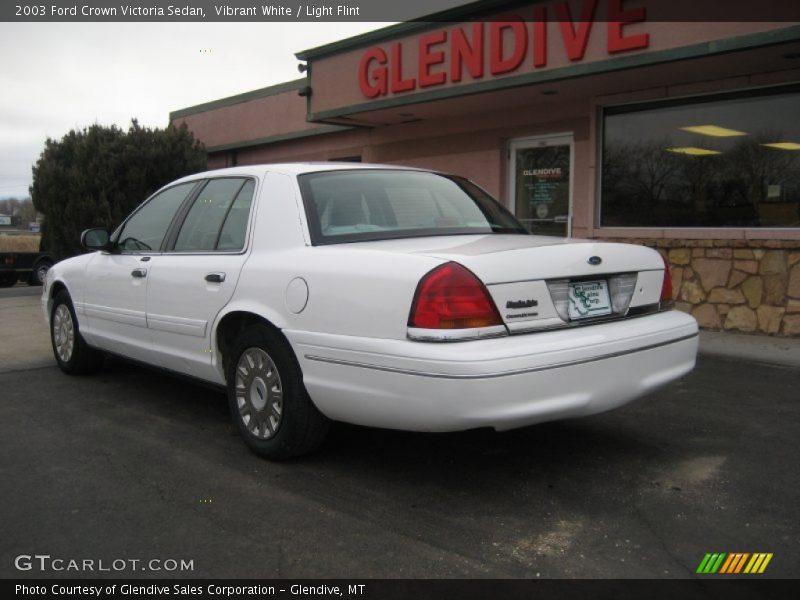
540,282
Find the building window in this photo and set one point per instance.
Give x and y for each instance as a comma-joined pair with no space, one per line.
721,161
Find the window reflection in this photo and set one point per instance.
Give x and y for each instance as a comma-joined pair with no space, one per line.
714,163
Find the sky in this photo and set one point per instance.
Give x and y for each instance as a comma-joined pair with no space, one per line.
60,76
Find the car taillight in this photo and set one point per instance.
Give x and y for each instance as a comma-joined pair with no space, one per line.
452,297
666,285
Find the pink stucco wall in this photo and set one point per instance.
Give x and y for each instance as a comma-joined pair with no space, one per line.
272,115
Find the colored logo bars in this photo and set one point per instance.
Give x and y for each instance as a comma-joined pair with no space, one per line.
733,563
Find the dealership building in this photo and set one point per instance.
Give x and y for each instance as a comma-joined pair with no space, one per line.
600,119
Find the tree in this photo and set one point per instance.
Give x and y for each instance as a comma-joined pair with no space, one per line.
96,176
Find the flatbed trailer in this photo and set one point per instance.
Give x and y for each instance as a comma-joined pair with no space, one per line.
21,259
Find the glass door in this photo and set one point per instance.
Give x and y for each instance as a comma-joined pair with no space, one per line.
540,185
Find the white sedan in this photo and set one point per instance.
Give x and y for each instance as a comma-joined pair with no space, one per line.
376,295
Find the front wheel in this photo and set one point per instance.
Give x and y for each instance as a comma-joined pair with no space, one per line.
267,398
73,354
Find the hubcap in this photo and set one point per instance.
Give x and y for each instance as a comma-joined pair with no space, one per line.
259,393
63,333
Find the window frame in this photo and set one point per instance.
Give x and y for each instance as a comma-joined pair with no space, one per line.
695,99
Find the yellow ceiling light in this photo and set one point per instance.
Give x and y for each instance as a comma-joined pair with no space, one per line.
783,145
692,151
713,131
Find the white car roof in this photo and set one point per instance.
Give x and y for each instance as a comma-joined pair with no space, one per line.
292,169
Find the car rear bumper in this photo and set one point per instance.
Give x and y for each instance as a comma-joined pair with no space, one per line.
501,383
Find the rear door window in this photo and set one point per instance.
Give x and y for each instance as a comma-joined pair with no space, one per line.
218,218
234,229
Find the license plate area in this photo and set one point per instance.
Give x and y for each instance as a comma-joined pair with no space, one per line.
587,299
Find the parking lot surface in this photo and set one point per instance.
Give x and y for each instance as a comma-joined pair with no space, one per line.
132,464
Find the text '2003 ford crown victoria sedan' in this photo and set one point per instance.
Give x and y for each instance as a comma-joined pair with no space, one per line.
382,296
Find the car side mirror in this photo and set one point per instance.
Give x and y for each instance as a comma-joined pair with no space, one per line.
96,238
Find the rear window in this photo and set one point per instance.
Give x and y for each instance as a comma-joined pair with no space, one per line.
362,205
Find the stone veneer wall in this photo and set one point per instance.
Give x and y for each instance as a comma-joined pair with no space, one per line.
737,285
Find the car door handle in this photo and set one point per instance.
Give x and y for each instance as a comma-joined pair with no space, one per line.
139,273
215,277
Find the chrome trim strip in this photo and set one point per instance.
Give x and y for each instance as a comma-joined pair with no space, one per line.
456,335
560,365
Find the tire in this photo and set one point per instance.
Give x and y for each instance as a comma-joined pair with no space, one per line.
73,354
39,272
8,279
268,402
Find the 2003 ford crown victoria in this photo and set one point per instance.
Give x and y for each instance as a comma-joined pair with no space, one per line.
376,295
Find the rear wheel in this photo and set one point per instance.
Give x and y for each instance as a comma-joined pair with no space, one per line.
267,398
39,272
72,353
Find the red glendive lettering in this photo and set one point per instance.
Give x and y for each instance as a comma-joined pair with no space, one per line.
450,55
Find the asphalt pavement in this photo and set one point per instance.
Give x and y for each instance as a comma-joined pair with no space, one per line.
130,464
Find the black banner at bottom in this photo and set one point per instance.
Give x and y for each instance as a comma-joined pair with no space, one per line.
405,589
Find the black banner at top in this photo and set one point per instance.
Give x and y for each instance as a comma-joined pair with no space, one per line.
307,11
